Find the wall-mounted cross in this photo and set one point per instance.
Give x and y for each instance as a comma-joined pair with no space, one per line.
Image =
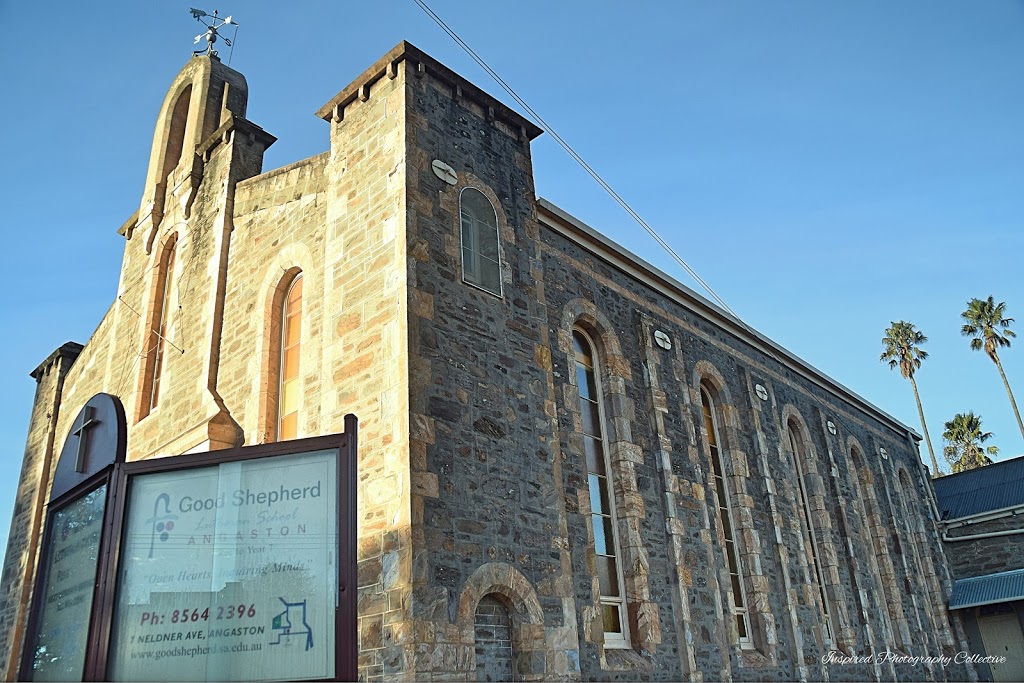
85,420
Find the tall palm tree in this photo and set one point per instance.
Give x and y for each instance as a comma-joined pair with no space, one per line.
988,329
902,342
964,440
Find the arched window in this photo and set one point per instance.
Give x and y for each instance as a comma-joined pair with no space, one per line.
176,133
156,340
481,262
493,640
602,499
798,454
732,558
289,391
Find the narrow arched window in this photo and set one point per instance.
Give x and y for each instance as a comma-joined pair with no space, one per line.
176,132
156,341
289,398
602,500
481,262
798,454
873,538
732,558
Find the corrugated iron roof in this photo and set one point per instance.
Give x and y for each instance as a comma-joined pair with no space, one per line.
988,589
993,487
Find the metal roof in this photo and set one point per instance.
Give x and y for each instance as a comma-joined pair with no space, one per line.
988,589
993,487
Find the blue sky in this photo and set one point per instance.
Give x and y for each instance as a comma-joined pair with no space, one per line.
826,167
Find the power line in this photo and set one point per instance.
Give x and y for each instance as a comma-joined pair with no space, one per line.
539,120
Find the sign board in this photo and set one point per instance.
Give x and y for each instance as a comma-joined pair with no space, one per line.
230,565
229,572
67,598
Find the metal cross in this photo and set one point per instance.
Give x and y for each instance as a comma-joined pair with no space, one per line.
87,421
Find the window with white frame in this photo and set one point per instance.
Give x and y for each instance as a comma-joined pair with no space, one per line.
739,604
602,499
481,261
798,454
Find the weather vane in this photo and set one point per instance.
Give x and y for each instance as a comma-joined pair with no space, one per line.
213,24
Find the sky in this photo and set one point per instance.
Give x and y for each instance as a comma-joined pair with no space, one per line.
826,167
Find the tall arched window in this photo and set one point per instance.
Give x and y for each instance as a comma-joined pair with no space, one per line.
602,499
156,340
289,398
732,557
481,262
176,132
872,537
798,454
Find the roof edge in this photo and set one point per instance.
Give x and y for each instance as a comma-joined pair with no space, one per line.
617,255
69,350
407,51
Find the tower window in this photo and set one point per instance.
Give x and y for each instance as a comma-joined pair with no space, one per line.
602,500
481,262
289,390
156,342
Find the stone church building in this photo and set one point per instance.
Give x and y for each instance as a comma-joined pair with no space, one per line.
571,466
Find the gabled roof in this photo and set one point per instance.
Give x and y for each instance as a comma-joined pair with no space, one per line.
993,487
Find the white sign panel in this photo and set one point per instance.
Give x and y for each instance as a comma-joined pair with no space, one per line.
230,573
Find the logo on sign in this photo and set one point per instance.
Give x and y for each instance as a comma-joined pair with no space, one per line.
161,525
292,622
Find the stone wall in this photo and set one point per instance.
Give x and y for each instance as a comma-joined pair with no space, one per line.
473,488
41,450
982,556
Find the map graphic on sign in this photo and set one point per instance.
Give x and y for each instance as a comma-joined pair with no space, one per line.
285,623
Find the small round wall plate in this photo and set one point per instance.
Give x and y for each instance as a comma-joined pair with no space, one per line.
662,340
761,392
884,453
831,427
444,172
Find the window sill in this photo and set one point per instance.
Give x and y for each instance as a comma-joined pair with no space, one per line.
497,295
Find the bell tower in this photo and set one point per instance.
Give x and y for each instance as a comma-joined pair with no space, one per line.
202,97
171,296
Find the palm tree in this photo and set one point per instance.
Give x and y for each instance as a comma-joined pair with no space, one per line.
964,440
988,329
902,342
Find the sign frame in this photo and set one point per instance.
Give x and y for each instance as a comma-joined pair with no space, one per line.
117,476
83,466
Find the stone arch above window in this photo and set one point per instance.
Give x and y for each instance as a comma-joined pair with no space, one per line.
729,477
820,551
261,422
175,145
874,536
481,243
501,583
926,578
275,342
613,374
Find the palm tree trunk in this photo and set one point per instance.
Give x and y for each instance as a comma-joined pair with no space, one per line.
936,472
1010,394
